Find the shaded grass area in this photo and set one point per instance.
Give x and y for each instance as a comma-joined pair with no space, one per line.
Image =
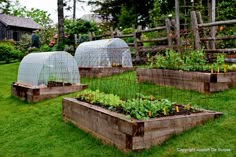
38,129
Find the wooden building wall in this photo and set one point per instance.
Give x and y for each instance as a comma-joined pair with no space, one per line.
14,33
2,31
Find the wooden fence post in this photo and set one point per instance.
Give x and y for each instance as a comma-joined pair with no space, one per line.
200,21
76,40
90,36
139,28
211,12
111,31
177,23
169,35
194,23
136,43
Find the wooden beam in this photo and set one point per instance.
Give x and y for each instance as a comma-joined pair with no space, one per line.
154,48
154,40
151,29
219,38
124,36
217,23
131,44
232,50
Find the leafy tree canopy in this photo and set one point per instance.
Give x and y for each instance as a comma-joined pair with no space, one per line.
40,16
79,26
122,12
226,10
4,6
110,10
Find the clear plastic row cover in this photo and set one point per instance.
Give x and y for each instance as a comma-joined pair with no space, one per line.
36,69
103,53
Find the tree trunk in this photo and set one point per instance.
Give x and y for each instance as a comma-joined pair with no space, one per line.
60,10
74,9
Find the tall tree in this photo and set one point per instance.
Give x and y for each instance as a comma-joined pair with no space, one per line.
110,10
155,13
72,7
60,11
126,17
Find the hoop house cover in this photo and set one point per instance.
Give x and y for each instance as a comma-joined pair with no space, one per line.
37,69
103,53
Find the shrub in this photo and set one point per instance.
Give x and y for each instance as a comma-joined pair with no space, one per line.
8,52
70,49
8,42
24,43
33,49
45,48
128,31
82,38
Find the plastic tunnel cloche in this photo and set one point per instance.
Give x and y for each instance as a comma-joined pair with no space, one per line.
37,69
104,53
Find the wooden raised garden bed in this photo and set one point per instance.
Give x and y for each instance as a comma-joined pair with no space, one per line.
96,72
128,134
198,81
32,94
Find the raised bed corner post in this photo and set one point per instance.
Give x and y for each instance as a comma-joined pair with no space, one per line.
194,23
169,36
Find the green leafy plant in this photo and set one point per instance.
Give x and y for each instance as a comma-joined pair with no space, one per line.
45,48
146,108
128,31
100,98
170,60
193,60
142,107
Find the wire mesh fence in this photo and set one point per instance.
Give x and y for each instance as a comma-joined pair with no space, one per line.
193,88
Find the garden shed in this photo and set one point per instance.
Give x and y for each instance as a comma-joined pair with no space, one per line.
54,73
103,57
12,27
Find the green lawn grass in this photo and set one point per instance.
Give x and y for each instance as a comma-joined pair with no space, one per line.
28,130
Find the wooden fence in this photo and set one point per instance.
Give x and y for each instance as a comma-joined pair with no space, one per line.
138,42
204,36
201,39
